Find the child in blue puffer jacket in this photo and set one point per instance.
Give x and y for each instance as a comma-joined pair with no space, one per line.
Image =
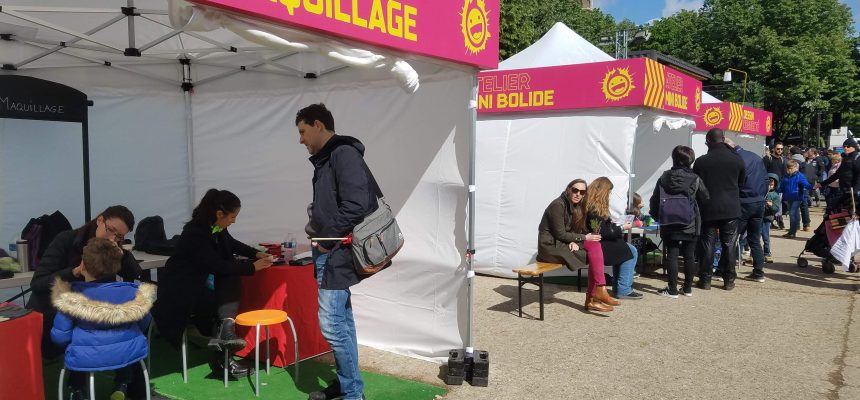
100,321
793,187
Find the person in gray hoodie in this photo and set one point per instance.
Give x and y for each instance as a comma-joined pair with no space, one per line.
772,207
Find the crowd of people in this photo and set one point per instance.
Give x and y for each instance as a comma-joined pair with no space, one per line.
723,201
200,283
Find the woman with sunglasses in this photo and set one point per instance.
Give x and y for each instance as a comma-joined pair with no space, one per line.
185,291
62,259
563,238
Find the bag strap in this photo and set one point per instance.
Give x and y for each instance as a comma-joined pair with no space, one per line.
373,183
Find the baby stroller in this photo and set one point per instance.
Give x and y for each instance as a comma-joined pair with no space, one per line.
823,238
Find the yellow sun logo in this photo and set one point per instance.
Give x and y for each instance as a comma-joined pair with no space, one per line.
713,116
617,84
698,98
767,124
475,25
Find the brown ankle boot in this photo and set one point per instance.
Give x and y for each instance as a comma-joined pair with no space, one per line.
601,294
592,304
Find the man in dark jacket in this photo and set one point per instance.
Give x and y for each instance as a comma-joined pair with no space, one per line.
848,173
752,194
342,198
723,173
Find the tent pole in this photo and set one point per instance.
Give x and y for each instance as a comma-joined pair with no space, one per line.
470,250
187,86
85,141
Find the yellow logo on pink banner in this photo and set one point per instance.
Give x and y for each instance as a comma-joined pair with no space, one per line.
713,116
622,83
463,31
475,25
617,84
736,118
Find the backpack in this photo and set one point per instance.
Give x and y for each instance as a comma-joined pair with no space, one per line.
675,209
150,237
40,232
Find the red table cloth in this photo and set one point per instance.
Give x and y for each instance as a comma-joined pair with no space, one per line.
21,358
294,290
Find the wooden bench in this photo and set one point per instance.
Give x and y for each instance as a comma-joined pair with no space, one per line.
533,273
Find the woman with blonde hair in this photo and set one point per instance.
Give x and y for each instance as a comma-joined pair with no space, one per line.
616,252
564,239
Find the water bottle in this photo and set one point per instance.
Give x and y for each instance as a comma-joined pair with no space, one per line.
23,250
290,247
717,254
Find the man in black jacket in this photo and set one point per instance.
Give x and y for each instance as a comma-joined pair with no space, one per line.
848,173
342,198
723,173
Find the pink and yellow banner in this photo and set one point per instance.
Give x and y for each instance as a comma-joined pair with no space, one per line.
735,117
620,83
463,31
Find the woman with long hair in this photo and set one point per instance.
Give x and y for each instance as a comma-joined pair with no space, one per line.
62,259
206,248
680,238
616,252
563,238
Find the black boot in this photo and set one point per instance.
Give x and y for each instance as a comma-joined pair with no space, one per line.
235,368
332,391
224,335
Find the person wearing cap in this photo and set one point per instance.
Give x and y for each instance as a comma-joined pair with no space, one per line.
848,173
723,172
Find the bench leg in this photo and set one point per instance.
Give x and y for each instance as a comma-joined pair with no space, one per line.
540,293
520,293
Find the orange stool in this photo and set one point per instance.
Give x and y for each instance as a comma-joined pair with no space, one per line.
266,318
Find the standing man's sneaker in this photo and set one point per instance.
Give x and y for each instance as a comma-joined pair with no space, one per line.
665,292
753,277
332,391
631,296
806,228
717,278
729,285
687,292
703,285
768,259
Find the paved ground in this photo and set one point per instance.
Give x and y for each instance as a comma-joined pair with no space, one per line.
796,336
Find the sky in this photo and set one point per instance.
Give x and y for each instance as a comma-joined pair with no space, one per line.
642,11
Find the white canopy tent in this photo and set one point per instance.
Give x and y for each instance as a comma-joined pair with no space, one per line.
156,148
525,160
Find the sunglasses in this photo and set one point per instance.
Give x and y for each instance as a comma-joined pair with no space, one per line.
578,191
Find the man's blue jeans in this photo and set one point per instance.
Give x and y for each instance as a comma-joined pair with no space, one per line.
338,329
622,285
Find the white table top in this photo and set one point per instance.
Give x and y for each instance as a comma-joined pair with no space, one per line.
20,279
146,260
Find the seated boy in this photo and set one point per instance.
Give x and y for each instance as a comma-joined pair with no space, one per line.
100,321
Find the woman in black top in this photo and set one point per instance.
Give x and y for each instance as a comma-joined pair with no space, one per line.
206,248
62,259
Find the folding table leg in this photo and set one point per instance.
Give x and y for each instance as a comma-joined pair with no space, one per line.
520,293
540,293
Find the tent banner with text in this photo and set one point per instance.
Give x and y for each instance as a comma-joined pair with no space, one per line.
620,83
736,118
462,31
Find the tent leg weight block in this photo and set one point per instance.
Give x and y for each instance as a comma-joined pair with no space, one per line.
473,368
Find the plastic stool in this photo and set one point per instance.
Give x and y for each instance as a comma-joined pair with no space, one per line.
266,318
93,382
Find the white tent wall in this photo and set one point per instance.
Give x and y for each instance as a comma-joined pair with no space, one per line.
138,158
524,161
41,170
657,133
416,146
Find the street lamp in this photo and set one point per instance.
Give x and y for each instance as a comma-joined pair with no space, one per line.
727,77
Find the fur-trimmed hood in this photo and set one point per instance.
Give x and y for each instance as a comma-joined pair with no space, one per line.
79,306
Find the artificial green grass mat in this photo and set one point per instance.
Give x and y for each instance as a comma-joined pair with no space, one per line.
166,375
